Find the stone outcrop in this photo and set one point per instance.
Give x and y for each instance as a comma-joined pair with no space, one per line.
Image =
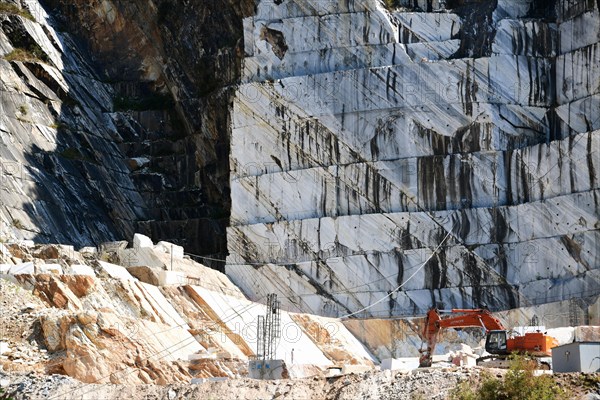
105,348
361,140
379,136
109,327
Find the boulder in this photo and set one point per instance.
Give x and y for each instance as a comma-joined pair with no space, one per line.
4,347
137,162
80,285
563,335
141,241
113,246
55,269
52,251
87,318
16,250
22,269
115,271
393,364
172,278
146,274
141,256
169,248
88,250
54,329
56,293
4,251
587,333
80,269
27,282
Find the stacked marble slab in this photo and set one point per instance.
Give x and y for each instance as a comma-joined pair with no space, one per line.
368,160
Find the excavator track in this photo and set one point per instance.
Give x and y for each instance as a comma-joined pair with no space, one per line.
499,361
493,361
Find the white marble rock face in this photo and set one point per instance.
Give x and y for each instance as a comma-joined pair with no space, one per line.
368,153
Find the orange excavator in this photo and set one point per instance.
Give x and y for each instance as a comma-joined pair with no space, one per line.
498,341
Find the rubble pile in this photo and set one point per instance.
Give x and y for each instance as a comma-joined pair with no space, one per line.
145,313
90,319
19,336
430,384
420,384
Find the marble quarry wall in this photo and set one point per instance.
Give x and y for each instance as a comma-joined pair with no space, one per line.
445,157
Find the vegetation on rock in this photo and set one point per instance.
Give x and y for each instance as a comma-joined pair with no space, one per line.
33,53
519,383
4,396
8,8
391,4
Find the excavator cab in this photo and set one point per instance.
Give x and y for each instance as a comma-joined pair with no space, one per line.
496,342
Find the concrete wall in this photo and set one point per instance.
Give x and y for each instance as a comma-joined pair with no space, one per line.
576,357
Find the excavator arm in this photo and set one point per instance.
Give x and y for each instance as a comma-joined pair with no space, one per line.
463,319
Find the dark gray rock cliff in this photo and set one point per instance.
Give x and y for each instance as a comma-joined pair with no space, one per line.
140,127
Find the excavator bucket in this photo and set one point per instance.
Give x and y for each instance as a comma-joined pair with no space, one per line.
425,361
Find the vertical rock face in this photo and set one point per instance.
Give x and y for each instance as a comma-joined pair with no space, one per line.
447,157
63,176
150,82
171,64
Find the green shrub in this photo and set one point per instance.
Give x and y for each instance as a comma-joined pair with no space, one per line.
33,53
464,391
391,4
5,396
19,55
9,8
519,383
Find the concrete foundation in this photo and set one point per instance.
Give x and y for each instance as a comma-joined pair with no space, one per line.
268,369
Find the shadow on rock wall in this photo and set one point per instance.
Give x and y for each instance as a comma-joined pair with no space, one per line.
121,110
63,177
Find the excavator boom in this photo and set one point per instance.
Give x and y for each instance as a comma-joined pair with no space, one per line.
464,318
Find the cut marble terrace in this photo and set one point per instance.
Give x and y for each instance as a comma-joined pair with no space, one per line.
363,139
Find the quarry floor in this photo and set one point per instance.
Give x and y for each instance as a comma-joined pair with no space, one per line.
419,384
